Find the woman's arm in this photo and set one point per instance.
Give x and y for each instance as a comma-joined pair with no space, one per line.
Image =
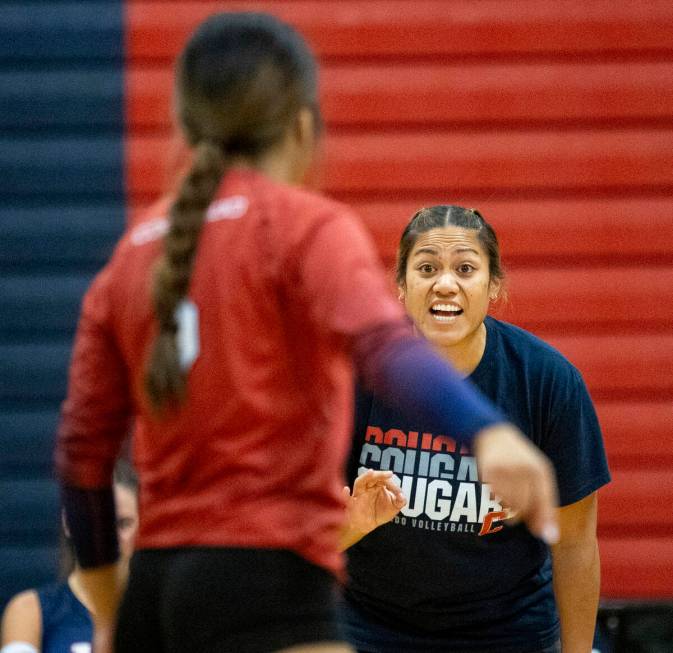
22,622
576,574
94,420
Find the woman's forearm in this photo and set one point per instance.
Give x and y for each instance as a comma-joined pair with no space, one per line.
576,574
349,536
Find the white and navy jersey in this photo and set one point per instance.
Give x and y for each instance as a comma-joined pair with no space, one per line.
66,624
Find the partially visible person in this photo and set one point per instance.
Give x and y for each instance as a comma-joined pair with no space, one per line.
56,618
449,572
228,323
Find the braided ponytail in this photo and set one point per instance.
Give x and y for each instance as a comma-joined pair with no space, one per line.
164,378
241,81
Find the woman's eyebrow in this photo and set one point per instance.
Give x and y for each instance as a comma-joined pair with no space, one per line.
426,250
462,250
434,252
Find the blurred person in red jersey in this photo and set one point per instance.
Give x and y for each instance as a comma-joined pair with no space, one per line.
228,323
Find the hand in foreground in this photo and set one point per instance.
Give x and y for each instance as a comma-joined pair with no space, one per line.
375,500
521,475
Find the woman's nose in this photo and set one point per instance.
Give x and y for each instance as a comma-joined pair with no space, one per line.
446,284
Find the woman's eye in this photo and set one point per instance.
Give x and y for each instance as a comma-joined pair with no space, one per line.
426,268
465,268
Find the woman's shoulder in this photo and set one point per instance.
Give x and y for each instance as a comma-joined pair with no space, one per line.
311,204
298,218
531,351
22,619
56,591
23,601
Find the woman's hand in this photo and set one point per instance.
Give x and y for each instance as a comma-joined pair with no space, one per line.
521,476
375,500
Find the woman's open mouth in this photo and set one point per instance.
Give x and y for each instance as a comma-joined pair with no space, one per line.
445,312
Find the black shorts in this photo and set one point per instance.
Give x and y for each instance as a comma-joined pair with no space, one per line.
216,600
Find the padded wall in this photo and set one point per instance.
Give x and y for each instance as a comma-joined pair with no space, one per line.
555,120
62,208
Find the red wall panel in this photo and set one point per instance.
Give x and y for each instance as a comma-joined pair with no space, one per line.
634,433
389,165
637,567
474,93
412,28
561,231
642,496
554,119
638,364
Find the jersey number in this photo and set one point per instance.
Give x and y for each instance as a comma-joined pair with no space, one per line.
187,317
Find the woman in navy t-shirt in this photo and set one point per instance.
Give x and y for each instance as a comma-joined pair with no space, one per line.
451,571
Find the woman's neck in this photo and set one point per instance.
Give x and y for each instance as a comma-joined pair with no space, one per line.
76,588
280,162
466,355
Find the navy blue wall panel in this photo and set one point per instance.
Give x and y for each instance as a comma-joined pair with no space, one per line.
58,168
28,436
44,99
61,210
34,370
28,508
49,32
34,308
43,565
72,236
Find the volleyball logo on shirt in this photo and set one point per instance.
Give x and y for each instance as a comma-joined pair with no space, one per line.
438,478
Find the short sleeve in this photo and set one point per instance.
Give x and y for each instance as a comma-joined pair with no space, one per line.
341,279
574,443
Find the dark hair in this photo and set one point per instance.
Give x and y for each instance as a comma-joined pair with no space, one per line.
445,215
241,80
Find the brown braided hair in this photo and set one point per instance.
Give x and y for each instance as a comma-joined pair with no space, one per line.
241,81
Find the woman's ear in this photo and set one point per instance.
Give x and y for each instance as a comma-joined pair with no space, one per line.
305,142
306,129
494,289
401,294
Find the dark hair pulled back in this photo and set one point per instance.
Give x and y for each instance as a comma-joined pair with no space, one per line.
241,81
448,215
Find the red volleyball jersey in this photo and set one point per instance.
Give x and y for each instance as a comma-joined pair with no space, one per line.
283,281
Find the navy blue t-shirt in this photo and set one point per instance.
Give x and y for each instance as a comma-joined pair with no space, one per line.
66,624
448,573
